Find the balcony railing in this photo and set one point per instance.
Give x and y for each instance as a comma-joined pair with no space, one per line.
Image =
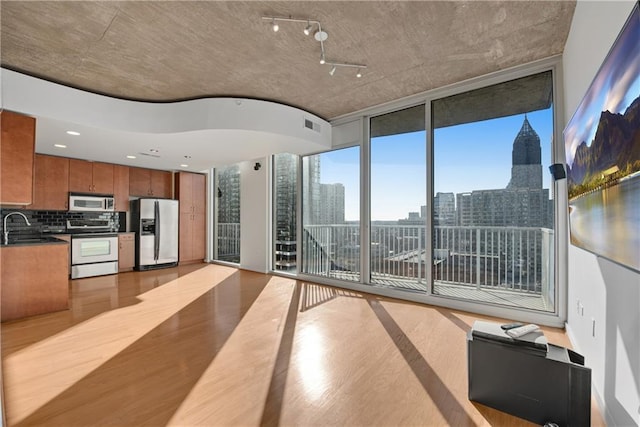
516,260
228,240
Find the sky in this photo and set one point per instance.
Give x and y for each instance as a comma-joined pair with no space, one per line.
467,157
614,88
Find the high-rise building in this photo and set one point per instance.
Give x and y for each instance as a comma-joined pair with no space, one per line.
331,210
444,209
228,194
285,200
311,189
523,203
526,165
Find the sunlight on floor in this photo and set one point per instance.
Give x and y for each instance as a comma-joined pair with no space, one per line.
95,342
232,390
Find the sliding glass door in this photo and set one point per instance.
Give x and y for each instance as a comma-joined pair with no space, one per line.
228,213
493,208
398,170
331,214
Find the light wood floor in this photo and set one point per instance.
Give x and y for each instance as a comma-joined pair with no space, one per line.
212,345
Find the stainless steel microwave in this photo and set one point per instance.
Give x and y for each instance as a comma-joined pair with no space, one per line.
89,203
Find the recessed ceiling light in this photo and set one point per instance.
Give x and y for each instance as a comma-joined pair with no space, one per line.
131,157
73,132
184,166
60,145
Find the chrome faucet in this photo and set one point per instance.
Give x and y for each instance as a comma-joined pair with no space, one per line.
4,229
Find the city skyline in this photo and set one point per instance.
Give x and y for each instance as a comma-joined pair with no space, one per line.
463,164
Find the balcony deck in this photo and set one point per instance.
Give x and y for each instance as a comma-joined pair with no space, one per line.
509,298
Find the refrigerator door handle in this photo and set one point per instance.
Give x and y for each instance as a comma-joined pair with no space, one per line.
156,246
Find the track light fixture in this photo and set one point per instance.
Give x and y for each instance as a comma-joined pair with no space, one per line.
307,29
320,36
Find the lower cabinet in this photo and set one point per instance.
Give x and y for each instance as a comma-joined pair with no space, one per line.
192,238
34,279
126,251
66,238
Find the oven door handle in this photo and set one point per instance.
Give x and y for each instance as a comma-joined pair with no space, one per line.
156,245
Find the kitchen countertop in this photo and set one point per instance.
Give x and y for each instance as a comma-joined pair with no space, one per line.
33,240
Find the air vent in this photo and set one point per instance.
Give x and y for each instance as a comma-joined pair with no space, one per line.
312,125
150,155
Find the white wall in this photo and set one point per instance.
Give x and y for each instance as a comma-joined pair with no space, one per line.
609,293
254,216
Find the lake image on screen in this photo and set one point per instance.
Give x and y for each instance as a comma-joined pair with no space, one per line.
607,222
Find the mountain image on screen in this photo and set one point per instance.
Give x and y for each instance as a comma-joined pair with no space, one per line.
614,152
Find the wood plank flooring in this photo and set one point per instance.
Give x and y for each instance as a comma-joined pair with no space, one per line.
210,345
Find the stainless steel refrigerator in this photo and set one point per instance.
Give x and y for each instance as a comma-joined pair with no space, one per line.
155,222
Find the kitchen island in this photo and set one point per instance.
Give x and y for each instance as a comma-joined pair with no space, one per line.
34,276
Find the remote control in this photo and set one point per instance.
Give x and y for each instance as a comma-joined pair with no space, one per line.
522,330
508,326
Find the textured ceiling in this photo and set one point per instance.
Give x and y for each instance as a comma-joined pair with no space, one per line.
165,51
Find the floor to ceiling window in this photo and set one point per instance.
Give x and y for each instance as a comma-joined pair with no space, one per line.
398,171
493,210
285,202
227,207
485,235
331,214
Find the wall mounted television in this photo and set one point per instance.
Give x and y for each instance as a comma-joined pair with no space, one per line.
602,146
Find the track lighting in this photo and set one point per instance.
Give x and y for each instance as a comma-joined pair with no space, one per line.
307,29
320,36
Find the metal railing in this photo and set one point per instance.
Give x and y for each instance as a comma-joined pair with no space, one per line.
228,241
510,258
516,259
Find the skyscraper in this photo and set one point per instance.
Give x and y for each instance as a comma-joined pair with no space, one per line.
526,165
331,210
523,203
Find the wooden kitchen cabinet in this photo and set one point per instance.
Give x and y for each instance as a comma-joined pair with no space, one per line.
90,177
121,187
35,280
66,238
149,183
191,192
126,251
51,183
16,158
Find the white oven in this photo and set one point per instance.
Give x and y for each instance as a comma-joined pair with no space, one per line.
93,255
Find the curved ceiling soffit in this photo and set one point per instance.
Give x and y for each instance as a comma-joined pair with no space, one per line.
42,98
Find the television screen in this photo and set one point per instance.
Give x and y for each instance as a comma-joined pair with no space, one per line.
602,146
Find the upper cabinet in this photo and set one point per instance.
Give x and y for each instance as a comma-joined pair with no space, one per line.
121,187
16,158
51,183
150,183
90,177
191,191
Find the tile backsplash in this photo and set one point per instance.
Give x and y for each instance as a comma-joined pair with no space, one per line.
54,221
